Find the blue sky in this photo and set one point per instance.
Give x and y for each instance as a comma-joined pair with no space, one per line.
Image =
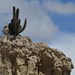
49,21
65,23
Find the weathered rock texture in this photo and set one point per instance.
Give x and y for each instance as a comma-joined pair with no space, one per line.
23,57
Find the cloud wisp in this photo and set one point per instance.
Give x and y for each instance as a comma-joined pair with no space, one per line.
59,7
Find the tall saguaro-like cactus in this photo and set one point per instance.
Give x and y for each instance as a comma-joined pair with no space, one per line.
14,26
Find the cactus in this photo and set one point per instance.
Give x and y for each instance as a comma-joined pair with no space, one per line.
14,26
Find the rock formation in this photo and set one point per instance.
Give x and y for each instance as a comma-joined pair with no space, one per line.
20,56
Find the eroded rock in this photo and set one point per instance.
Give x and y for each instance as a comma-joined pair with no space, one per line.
20,56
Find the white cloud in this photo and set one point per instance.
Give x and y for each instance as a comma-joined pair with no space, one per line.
39,26
66,43
57,6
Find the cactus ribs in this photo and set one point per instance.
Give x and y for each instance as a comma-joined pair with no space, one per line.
14,26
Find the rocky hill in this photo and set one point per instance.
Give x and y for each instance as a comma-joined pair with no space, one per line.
20,56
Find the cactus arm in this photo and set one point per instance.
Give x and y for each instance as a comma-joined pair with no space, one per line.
17,13
14,20
17,24
13,12
23,26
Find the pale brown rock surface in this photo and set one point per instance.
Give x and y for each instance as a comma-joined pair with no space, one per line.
23,57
